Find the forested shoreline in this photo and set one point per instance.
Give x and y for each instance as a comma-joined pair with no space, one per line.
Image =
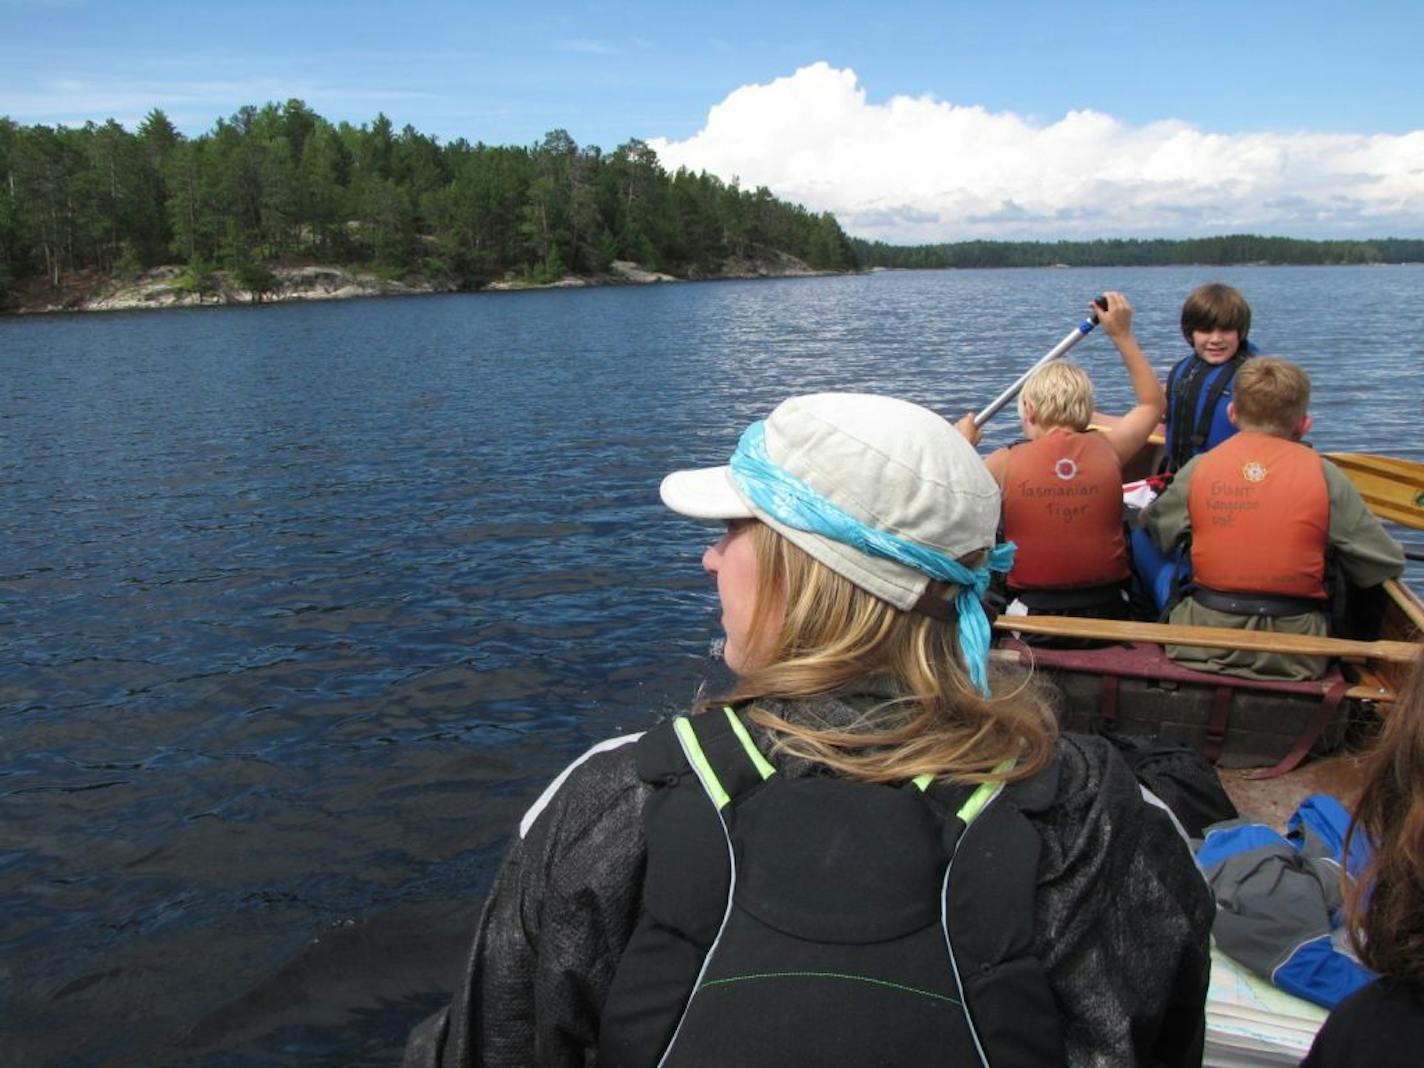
276,188
1228,250
280,184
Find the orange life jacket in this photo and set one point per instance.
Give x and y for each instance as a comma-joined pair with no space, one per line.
1063,508
1260,514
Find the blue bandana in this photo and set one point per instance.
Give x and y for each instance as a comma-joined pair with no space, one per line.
788,499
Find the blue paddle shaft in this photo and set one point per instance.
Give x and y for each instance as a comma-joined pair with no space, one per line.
1075,335
1079,332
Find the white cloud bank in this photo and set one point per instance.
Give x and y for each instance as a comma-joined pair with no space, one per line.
918,170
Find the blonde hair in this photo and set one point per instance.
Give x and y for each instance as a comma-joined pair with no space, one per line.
1271,394
1061,394
1385,904
833,636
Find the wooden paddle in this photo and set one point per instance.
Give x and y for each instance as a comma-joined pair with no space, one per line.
1393,488
1122,630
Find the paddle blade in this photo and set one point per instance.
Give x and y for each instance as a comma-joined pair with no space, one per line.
1393,488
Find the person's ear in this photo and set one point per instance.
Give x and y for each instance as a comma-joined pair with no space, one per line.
1231,413
1303,428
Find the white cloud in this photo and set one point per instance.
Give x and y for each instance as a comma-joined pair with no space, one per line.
917,169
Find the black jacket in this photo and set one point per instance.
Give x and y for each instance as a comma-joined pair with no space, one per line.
1381,1026
1123,918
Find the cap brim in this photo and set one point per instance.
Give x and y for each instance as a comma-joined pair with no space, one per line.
707,493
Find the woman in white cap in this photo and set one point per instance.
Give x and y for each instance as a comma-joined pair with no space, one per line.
870,852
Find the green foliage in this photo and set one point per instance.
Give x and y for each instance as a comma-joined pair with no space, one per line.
280,183
254,277
198,278
551,270
1220,251
127,266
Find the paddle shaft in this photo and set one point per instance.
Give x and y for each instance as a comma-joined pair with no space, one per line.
1074,336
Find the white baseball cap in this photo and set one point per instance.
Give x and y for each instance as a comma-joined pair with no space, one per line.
889,464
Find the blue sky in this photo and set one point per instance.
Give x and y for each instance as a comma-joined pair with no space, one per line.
1313,83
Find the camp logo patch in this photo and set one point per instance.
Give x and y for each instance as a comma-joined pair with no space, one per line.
1254,472
1066,469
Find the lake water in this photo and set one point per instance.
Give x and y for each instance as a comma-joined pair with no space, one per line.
301,604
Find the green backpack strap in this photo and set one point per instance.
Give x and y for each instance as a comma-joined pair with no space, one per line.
978,800
728,763
722,753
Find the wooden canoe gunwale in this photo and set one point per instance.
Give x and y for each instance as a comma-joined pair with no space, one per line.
1124,630
1378,668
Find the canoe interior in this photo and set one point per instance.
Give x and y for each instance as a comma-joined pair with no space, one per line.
1133,688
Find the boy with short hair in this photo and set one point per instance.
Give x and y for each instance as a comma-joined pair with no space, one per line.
1215,322
1263,510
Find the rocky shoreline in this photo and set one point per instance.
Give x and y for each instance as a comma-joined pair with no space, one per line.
170,287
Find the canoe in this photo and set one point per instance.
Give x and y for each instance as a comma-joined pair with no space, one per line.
1132,687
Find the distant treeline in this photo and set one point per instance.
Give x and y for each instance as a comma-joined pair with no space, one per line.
280,182
1156,252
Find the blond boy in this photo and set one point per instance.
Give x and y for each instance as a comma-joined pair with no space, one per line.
1062,487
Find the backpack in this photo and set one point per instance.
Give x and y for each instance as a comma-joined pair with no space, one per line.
820,919
1179,776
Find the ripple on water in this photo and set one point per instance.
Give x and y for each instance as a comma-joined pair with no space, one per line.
301,605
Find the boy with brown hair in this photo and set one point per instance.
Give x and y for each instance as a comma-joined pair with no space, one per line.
1263,510
1215,322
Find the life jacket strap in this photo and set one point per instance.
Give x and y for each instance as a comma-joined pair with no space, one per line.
1080,599
712,742
1182,414
1190,420
1256,604
1207,414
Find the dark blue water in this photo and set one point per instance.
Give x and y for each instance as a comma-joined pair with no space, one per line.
301,604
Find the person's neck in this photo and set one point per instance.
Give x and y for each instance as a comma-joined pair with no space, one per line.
1266,432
